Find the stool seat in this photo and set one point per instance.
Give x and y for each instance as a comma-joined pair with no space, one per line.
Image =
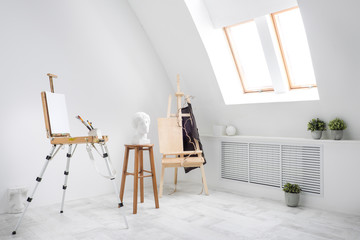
138,145
139,173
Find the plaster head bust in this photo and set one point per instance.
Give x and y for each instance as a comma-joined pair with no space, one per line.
141,124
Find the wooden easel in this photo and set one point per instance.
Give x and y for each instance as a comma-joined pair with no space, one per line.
58,140
171,143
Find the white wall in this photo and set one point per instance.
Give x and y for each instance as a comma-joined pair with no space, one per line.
107,69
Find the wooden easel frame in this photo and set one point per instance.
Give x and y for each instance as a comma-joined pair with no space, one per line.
179,157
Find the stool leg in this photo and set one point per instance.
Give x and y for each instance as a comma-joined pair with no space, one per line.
141,175
153,173
123,177
162,181
66,173
136,174
38,180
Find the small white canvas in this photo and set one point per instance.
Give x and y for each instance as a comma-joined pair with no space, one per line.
58,116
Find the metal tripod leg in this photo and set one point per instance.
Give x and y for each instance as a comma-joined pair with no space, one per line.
106,158
38,180
66,173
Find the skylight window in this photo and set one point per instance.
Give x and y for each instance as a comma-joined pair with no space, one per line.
294,48
248,51
271,53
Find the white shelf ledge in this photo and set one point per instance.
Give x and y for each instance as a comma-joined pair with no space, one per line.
279,139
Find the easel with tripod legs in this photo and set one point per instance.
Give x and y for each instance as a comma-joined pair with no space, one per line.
57,128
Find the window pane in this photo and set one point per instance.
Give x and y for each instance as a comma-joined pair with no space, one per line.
249,52
295,48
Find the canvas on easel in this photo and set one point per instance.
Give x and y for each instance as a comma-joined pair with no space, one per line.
57,113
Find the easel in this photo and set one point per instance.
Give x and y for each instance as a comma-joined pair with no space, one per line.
171,143
58,140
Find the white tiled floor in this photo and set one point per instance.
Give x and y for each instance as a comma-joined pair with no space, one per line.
183,215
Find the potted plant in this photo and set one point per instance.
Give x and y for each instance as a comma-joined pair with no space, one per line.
292,194
337,126
316,126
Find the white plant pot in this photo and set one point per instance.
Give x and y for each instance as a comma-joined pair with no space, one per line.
316,134
337,134
292,199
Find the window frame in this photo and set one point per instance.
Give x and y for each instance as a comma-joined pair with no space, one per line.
237,62
282,51
290,85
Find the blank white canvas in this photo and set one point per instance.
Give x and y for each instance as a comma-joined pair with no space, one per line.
58,116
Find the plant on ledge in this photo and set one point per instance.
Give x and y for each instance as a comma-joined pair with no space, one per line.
292,194
337,126
316,126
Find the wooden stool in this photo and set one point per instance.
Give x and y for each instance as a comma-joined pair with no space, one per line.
139,170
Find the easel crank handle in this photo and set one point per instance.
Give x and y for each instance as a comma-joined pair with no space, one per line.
51,76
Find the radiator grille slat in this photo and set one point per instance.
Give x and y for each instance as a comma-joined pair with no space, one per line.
301,165
272,164
264,164
234,163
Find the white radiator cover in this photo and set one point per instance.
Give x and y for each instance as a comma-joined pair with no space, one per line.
273,164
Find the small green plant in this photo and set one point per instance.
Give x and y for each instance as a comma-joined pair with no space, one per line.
292,188
316,125
337,124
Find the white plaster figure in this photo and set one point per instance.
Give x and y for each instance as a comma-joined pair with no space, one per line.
16,199
141,123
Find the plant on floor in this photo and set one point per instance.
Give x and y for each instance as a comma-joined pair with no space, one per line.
292,194
292,188
337,124
316,125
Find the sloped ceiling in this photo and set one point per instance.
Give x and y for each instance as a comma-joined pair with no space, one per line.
174,36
